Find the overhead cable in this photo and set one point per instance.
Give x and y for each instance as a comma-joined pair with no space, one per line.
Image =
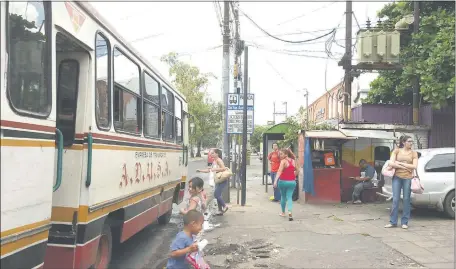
283,40
305,14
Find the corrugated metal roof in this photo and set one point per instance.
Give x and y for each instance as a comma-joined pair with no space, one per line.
327,134
369,134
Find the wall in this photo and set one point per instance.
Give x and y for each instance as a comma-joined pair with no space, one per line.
326,106
382,114
441,121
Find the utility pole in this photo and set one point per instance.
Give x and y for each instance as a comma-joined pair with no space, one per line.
306,94
273,114
348,59
416,80
244,125
248,135
279,113
226,88
236,44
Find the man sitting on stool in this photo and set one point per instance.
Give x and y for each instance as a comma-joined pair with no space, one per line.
368,174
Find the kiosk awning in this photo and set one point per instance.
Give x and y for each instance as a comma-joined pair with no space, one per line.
327,134
369,134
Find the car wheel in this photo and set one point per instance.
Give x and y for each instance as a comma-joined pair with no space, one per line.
449,204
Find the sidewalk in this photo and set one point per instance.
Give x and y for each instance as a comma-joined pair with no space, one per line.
324,236
195,159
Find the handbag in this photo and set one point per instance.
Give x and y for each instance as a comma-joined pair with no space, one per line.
223,176
388,171
417,187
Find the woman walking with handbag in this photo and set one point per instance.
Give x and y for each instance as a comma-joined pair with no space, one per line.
404,160
220,181
285,181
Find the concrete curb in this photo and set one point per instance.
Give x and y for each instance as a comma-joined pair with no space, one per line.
196,159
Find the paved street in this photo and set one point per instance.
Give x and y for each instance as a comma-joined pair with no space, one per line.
326,236
149,248
323,236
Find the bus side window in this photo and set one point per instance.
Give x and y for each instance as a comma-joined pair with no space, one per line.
127,94
167,114
29,65
102,82
178,115
151,107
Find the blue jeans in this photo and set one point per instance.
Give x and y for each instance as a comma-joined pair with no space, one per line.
276,190
406,186
218,194
286,188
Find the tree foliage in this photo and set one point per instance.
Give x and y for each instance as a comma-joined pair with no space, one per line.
205,114
431,52
257,137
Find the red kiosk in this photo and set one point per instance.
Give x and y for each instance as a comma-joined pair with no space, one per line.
326,150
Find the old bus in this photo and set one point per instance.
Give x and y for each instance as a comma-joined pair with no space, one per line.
93,138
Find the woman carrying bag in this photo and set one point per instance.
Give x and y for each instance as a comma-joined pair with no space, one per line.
221,175
401,166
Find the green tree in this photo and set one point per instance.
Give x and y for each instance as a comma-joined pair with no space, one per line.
193,84
257,137
431,52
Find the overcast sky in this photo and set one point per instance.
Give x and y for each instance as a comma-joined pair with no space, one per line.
193,28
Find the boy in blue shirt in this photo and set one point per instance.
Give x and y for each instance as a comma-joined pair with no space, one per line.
183,243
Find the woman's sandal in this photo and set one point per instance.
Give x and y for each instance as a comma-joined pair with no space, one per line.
290,217
282,214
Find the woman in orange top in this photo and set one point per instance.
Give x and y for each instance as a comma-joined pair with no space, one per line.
274,161
405,161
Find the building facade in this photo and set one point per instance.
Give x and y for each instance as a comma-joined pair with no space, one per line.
326,107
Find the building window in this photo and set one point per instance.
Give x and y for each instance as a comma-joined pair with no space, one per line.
151,107
178,114
441,163
167,104
127,99
29,68
102,82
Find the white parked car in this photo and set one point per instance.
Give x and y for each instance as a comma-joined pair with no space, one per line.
436,172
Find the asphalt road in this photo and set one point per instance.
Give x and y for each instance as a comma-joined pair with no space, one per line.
149,248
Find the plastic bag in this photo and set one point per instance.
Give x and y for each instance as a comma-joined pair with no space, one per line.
211,179
196,260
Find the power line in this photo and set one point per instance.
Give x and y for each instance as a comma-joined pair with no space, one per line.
181,54
305,14
299,32
278,73
283,40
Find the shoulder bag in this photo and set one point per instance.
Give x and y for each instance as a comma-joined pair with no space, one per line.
223,176
388,171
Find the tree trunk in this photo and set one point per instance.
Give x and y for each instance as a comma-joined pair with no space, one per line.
198,152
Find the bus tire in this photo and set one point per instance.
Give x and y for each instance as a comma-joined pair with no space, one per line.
104,251
166,218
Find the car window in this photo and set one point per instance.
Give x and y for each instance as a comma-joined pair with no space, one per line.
441,163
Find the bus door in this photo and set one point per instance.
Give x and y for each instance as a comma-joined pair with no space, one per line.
72,80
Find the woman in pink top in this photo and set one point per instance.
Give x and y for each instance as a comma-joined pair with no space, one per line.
286,181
